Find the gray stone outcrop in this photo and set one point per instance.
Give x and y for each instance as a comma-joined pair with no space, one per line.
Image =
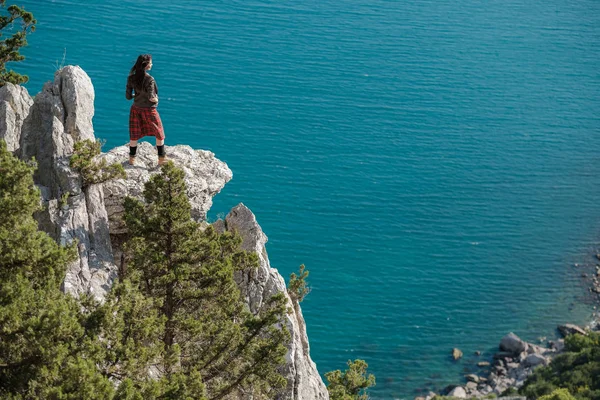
304,381
512,372
571,329
205,176
535,359
60,116
458,392
512,344
15,102
514,364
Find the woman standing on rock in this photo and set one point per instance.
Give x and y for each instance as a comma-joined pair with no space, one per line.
143,117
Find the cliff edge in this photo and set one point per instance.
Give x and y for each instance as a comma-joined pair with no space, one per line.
47,128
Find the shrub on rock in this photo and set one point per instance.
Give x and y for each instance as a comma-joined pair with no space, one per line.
577,370
351,384
558,394
93,170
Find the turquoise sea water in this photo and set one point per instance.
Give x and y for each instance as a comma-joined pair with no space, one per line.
434,164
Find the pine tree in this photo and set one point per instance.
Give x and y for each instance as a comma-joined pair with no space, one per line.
298,288
351,384
42,338
202,340
558,394
93,171
9,47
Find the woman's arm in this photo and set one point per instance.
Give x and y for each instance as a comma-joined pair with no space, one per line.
152,90
129,90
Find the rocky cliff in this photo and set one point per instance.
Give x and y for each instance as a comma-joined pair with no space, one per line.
61,115
304,381
15,103
48,127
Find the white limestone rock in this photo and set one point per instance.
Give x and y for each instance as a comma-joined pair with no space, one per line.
458,392
77,95
304,381
205,176
15,103
60,116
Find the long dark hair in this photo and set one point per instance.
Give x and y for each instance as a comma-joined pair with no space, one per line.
138,71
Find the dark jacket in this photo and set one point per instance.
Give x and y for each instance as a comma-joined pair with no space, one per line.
146,96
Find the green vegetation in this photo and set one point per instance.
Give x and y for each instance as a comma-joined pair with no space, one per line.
64,199
577,370
93,171
558,394
511,391
298,287
204,338
173,327
10,46
42,340
351,384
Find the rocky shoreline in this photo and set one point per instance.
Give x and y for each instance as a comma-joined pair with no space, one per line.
516,359
594,278
511,366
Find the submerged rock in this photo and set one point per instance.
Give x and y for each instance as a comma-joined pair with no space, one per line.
456,353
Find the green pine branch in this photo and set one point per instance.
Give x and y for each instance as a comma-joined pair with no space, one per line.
17,23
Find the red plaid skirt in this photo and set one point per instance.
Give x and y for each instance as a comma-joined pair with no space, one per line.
145,122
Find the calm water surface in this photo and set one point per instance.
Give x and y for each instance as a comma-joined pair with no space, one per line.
434,164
